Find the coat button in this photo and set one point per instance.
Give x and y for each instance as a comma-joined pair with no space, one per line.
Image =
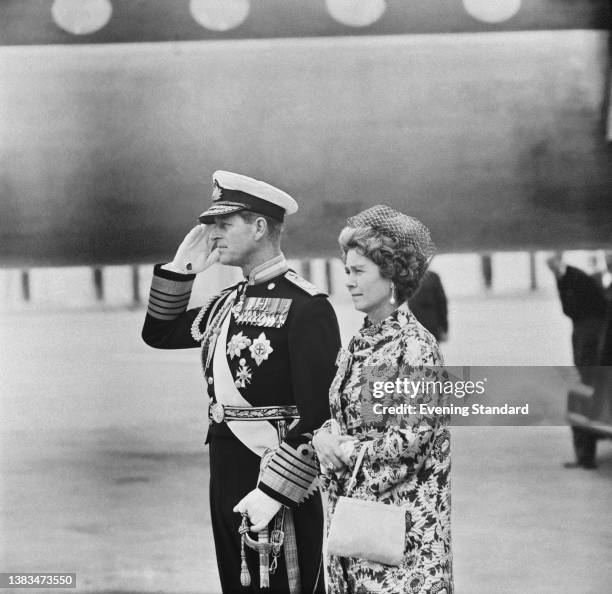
210,380
271,286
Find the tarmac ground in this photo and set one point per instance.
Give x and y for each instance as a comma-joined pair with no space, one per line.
104,471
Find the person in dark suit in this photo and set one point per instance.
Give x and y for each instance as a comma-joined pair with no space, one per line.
584,302
430,307
269,345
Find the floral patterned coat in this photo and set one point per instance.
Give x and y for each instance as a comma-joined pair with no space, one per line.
410,463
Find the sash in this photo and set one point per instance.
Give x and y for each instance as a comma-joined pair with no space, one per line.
257,436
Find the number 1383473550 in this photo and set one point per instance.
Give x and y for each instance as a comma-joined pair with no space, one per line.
37,580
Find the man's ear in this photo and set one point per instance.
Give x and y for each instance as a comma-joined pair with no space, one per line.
261,228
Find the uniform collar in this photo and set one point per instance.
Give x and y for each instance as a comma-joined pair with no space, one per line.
269,269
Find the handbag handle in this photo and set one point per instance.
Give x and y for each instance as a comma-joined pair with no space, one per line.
353,480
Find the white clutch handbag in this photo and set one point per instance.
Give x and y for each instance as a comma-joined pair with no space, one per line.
367,529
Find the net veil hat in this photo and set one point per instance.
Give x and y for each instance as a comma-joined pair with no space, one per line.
405,230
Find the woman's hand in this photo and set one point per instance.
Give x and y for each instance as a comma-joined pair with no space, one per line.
330,450
196,253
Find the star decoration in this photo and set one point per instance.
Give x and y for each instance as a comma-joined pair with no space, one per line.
260,349
236,344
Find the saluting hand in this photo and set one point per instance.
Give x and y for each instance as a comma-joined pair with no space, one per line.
196,253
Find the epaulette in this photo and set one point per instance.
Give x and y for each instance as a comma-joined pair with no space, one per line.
299,281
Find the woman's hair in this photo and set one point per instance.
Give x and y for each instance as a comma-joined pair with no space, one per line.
403,265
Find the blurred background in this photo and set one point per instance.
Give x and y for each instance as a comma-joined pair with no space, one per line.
489,120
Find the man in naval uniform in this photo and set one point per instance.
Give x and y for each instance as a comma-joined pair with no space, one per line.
268,346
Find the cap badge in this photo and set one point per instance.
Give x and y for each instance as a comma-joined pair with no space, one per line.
216,193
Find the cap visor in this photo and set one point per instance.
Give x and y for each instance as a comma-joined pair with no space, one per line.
219,210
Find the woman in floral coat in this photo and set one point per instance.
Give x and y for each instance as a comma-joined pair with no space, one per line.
386,255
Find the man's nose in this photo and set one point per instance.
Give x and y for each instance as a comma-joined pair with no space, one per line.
350,281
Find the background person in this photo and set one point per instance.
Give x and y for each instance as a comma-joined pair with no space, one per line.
386,255
604,276
583,301
430,307
268,349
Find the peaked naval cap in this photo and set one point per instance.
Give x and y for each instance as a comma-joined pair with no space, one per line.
233,193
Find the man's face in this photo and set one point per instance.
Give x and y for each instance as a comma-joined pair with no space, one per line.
234,238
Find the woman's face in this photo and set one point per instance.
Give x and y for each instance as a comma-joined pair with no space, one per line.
369,290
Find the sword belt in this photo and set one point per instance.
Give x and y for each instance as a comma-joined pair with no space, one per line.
220,413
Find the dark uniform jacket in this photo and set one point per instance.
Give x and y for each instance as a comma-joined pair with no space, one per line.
281,346
297,370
